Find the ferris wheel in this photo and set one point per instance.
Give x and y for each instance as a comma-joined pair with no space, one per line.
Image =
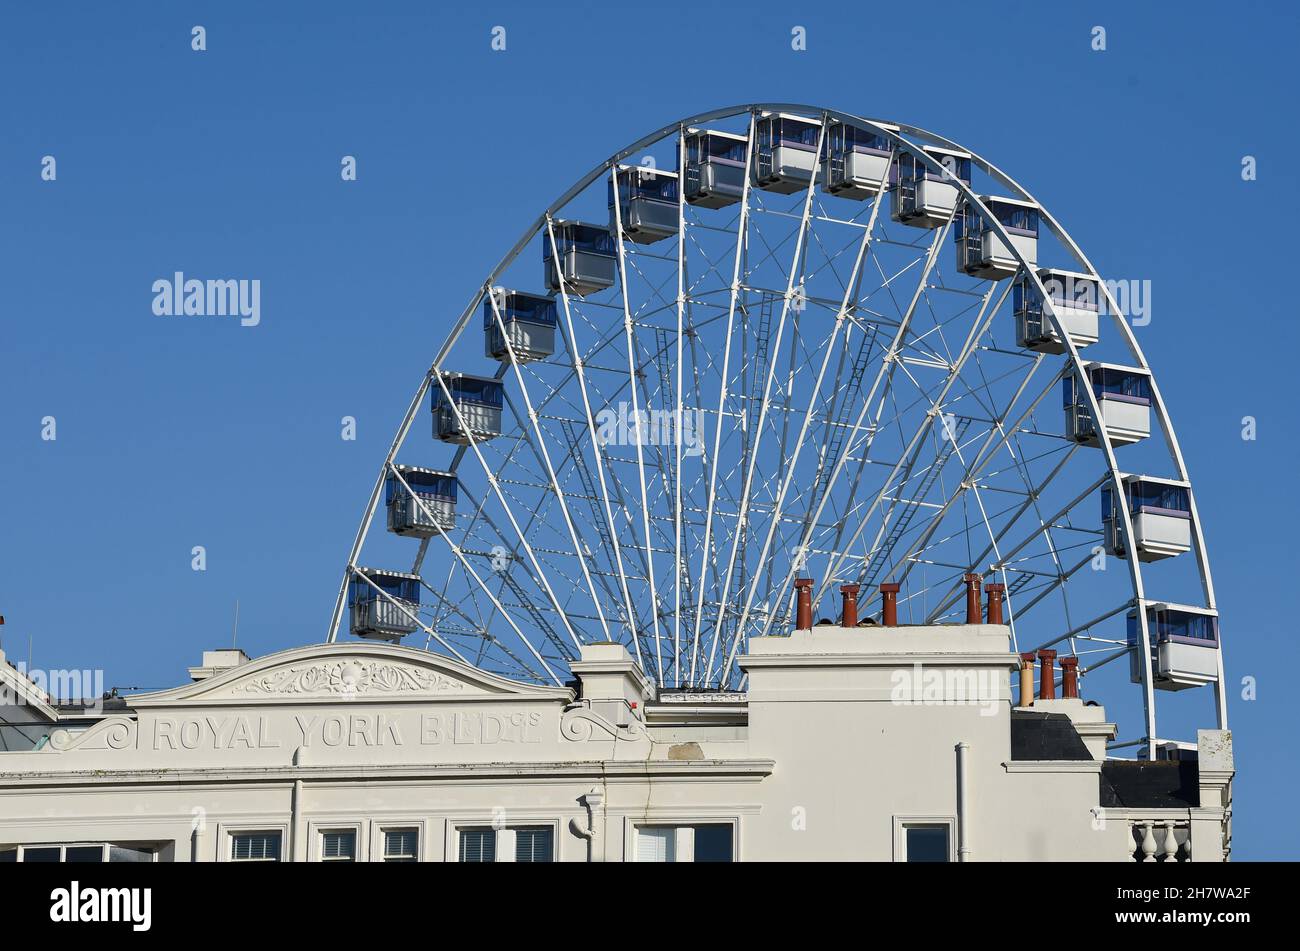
779,342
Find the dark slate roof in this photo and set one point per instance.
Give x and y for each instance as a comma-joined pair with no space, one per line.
1045,736
1164,784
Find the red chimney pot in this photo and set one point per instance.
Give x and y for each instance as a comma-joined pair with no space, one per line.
803,604
995,602
972,598
1046,675
849,611
889,604
1069,678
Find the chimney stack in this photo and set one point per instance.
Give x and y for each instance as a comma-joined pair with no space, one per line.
849,611
889,604
803,607
1046,675
972,598
1027,679
995,602
1069,678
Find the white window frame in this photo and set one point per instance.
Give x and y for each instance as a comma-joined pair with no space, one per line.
63,847
903,823
381,829
380,852
684,840
318,833
226,837
505,836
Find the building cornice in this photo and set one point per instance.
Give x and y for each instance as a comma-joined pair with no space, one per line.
1052,766
744,770
890,660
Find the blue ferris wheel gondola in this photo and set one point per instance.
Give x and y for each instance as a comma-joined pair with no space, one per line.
526,327
922,197
1076,302
1160,511
469,410
587,262
421,502
785,153
1123,395
857,161
1184,646
981,251
383,605
715,168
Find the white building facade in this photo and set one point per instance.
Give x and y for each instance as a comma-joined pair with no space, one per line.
865,743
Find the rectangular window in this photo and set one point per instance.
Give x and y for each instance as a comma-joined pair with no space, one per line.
705,842
926,843
400,845
534,844
255,847
478,845
79,852
338,846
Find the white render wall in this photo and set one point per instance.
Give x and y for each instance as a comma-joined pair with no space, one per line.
839,748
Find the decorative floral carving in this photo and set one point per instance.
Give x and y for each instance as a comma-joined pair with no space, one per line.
350,678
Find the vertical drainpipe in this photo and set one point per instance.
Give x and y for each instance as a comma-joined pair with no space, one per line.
297,840
296,837
963,803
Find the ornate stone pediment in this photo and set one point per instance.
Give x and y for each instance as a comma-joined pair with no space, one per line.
350,677
348,671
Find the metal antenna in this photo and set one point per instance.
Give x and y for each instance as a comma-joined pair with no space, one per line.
235,633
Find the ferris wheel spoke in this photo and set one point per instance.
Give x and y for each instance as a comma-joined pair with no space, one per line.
790,459
997,437
538,445
1057,582
1034,532
494,483
866,437
796,268
593,441
936,404
742,227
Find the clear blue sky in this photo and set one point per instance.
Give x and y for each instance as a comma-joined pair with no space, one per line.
173,434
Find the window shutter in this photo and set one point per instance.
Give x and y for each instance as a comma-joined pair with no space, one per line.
655,844
478,845
534,844
338,846
256,847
